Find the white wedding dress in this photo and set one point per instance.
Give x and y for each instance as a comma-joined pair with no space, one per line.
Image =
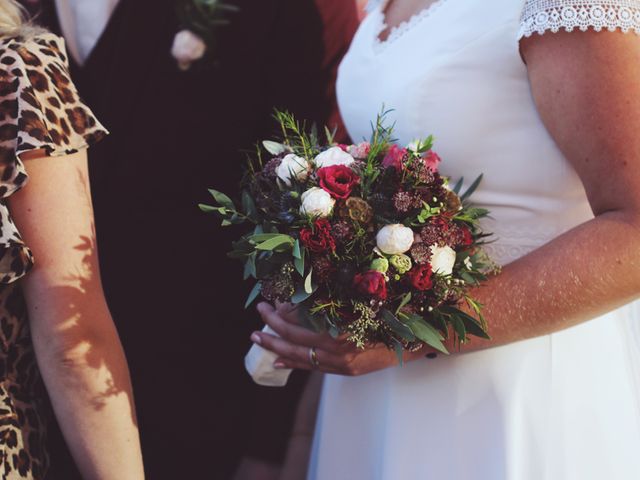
564,406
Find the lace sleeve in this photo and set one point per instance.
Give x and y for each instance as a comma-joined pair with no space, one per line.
540,16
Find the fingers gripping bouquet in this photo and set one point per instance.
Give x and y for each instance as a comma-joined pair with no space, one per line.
367,240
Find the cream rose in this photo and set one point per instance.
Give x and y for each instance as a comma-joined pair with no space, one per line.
333,156
316,203
442,259
394,239
292,166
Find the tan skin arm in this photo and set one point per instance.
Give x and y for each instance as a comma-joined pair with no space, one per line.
76,343
586,86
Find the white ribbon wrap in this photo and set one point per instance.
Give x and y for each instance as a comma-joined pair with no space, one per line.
259,364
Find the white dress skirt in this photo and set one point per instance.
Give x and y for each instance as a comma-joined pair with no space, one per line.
564,406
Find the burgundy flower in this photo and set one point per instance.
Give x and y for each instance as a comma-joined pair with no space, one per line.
467,238
338,180
318,239
394,157
420,277
371,284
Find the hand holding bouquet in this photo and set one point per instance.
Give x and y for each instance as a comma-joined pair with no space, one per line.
367,240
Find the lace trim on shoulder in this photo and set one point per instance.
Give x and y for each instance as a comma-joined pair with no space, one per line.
540,16
401,29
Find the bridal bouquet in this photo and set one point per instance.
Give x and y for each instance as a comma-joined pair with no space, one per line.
368,240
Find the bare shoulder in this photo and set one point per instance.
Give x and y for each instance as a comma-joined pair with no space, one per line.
586,86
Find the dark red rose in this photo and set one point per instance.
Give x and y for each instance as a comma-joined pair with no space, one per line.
372,284
394,157
318,239
420,277
338,180
467,238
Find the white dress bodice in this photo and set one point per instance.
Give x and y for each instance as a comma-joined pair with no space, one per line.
564,406
454,71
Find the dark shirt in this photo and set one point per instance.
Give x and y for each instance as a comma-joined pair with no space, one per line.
174,295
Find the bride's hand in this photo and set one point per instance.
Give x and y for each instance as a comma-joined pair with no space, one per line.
337,356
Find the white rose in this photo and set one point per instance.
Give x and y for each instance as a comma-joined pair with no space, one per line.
442,259
394,239
187,48
333,156
292,166
316,203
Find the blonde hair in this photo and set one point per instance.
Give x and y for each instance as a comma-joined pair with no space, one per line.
12,17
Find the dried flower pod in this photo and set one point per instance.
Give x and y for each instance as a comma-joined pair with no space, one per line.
357,209
452,201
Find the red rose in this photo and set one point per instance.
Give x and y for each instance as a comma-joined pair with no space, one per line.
394,157
318,239
371,283
432,160
420,277
467,238
338,180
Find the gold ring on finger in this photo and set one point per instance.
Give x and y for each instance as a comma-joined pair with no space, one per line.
313,357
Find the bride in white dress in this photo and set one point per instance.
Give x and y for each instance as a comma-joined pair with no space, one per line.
543,97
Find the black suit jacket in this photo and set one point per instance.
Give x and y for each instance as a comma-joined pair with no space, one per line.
175,297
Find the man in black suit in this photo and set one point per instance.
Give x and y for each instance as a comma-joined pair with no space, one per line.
177,300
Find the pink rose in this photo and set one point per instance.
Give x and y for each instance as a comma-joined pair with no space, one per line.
394,157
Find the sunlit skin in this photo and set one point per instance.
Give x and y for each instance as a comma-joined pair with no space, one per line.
76,344
587,90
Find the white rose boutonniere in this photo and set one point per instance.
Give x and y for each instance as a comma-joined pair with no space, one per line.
199,20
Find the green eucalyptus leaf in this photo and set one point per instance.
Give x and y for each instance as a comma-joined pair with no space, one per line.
458,327
222,199
250,266
261,237
207,208
472,326
406,299
458,186
397,326
472,188
296,249
399,349
299,262
308,286
274,148
279,243
425,332
255,291
248,204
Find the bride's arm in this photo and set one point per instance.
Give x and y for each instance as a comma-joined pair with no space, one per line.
586,86
587,89
76,343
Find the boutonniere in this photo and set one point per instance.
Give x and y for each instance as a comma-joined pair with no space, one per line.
199,20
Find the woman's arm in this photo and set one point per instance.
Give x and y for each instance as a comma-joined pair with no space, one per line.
76,344
586,86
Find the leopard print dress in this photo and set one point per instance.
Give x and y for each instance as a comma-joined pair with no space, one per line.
39,109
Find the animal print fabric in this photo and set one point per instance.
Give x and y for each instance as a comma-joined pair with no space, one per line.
39,110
